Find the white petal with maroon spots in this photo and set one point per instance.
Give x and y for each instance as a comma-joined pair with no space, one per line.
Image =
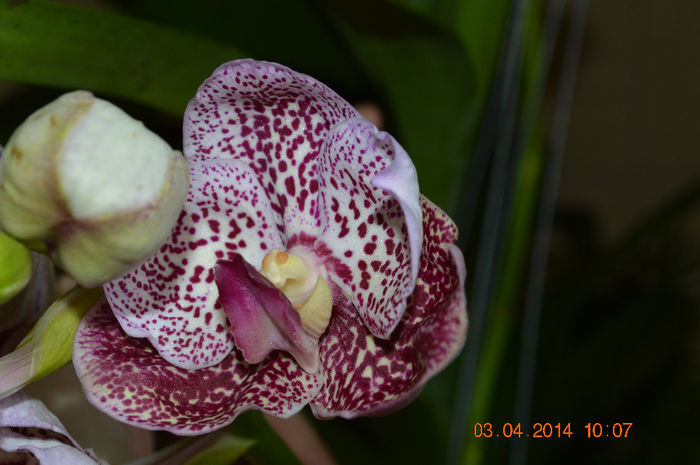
125,378
365,375
172,298
375,233
274,119
325,170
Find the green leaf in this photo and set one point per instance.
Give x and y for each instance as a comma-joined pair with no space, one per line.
15,267
217,448
52,336
227,449
291,32
479,26
414,434
58,45
269,448
426,80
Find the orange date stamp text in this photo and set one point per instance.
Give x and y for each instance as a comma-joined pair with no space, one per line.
552,430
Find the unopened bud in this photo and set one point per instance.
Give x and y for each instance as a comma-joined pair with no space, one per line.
87,183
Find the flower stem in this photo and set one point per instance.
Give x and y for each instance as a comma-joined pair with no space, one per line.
301,437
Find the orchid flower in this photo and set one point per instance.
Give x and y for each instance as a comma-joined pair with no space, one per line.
31,434
305,268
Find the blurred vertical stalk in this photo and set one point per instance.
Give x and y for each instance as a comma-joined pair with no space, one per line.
519,210
543,228
301,437
504,102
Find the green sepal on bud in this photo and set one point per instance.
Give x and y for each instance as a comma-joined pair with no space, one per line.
90,185
15,267
49,345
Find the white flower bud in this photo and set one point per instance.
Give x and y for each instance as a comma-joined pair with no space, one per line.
92,184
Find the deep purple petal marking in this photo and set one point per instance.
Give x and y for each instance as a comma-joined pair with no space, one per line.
374,233
365,375
262,318
125,378
172,298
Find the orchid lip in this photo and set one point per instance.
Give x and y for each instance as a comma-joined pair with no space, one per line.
261,317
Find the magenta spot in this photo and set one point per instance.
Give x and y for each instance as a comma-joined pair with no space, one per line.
362,230
197,272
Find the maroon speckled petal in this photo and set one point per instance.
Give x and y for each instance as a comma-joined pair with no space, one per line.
365,375
442,264
172,298
372,221
275,120
262,318
125,378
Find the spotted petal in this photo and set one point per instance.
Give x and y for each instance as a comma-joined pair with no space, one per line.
125,378
274,119
172,298
371,221
29,430
343,189
365,375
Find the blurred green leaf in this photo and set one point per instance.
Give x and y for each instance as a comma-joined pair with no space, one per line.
290,32
227,449
499,334
480,24
413,434
217,448
52,336
477,23
15,267
59,45
269,448
426,83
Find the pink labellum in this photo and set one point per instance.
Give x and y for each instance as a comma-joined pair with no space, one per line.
262,318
